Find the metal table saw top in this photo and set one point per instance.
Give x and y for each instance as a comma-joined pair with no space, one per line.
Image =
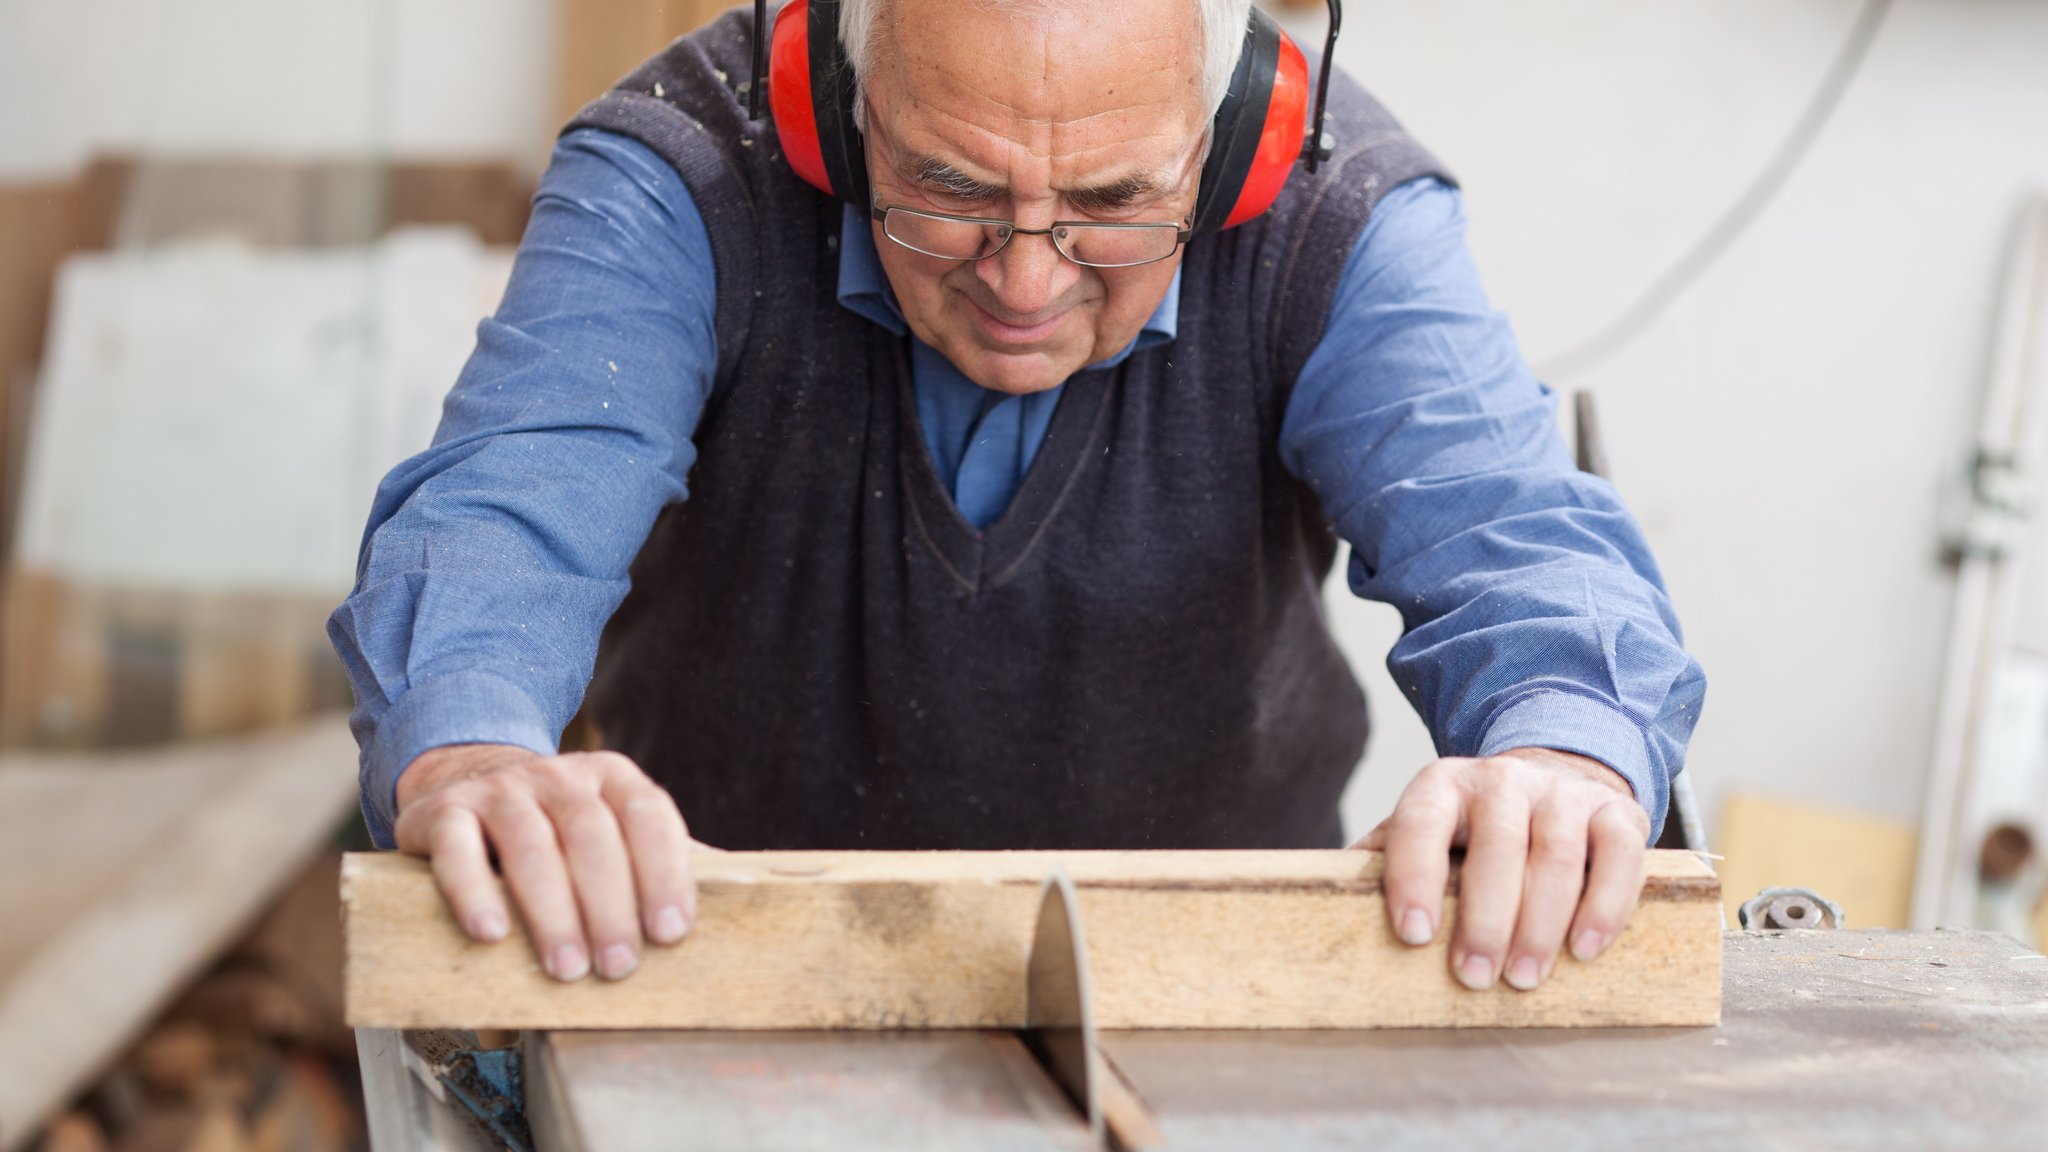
1829,1039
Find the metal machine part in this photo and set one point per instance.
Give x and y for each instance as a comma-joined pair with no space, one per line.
1061,1025
1779,909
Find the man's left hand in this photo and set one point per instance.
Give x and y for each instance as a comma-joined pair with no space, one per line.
1554,848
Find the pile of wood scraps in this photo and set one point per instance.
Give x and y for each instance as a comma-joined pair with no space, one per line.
253,1058
123,879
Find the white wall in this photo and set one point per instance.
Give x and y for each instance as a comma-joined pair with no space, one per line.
1785,430
446,78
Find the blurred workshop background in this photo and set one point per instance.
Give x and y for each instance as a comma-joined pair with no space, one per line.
1784,244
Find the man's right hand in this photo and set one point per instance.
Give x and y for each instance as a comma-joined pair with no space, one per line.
594,852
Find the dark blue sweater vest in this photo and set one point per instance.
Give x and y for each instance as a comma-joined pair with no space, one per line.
819,652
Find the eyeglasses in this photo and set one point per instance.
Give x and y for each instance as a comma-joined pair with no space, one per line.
1091,244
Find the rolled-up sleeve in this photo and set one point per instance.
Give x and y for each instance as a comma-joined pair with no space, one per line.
1533,613
493,559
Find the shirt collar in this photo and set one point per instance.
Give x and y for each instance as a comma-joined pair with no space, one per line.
864,290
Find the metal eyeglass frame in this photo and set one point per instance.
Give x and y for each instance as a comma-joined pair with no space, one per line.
1181,234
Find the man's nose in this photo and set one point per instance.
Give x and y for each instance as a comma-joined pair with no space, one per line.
1028,275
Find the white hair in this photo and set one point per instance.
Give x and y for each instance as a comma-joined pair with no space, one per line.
1222,25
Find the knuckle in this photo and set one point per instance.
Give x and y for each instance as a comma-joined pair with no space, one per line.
524,835
1439,768
1558,843
1626,817
508,805
520,853
499,788
1496,770
588,820
651,801
1557,857
1420,814
1446,775
1500,826
1427,801
575,783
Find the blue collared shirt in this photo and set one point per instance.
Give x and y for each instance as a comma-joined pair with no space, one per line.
1533,612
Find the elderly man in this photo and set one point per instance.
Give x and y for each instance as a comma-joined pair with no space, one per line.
905,544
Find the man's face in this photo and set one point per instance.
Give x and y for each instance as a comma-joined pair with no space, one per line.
1070,111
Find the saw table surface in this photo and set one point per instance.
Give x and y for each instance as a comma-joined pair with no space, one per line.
1828,1040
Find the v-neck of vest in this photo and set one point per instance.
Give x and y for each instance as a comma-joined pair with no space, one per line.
983,558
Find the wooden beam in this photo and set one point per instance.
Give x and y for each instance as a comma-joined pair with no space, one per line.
888,940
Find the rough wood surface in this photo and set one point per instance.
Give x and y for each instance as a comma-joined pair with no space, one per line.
939,940
124,876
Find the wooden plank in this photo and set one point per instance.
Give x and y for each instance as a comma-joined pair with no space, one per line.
887,940
935,1091
83,976
1855,1039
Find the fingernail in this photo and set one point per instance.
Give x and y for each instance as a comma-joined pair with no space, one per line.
1587,946
619,962
488,926
1415,927
1524,973
568,964
669,925
1476,973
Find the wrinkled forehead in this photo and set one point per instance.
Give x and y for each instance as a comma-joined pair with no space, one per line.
1050,90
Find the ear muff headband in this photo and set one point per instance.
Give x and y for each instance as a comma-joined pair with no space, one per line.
839,140
1255,138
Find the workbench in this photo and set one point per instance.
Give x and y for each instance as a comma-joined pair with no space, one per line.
1829,1039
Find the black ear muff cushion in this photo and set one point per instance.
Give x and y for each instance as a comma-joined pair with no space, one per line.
839,141
1240,122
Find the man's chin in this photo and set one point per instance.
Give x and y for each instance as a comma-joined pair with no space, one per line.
1017,373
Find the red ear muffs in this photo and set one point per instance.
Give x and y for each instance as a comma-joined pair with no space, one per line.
1255,139
810,92
1256,136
